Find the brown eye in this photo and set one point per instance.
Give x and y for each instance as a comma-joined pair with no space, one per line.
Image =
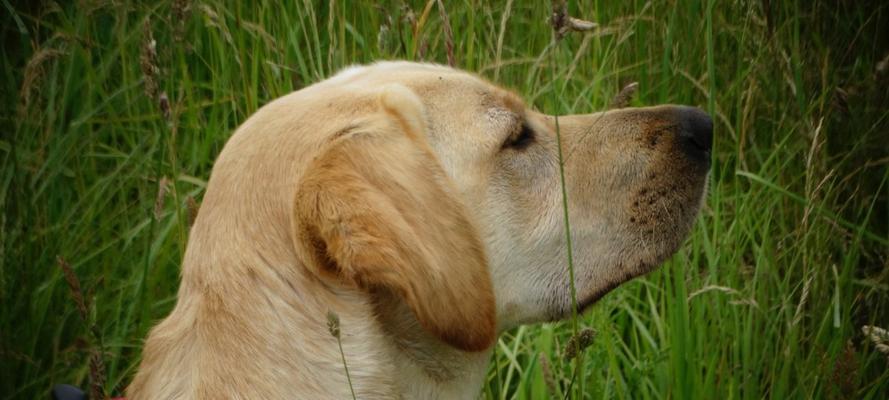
523,139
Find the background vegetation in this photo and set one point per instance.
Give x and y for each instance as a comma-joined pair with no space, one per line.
113,112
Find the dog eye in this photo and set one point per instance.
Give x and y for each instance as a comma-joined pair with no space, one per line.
522,139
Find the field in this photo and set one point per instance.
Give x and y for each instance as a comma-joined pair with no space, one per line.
113,112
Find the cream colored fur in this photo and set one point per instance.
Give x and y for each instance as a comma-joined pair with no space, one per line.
391,196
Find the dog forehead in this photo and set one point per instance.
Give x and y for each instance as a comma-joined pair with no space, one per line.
389,72
428,80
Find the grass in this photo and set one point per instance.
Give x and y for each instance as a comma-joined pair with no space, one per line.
767,299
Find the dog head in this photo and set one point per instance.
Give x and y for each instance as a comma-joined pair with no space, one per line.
446,190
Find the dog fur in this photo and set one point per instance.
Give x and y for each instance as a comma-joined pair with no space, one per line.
422,205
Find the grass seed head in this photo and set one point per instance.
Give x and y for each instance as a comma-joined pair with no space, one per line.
181,11
563,23
163,102
34,70
73,287
408,17
148,61
625,95
385,40
97,375
333,324
879,337
548,379
579,342
449,35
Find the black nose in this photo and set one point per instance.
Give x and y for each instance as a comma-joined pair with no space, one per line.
697,132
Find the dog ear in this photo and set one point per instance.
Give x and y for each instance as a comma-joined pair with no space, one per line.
376,210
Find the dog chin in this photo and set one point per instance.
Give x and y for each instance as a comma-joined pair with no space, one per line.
626,271
563,311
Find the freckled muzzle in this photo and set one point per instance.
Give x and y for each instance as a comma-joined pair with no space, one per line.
636,182
663,200
650,154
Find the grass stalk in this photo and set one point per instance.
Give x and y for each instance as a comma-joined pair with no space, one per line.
333,326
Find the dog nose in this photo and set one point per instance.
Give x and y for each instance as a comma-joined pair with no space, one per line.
696,132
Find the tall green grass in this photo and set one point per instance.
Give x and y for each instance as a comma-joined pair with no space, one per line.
767,299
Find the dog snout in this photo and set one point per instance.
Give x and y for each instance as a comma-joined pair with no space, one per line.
696,134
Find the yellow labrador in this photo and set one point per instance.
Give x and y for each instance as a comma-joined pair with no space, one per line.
423,206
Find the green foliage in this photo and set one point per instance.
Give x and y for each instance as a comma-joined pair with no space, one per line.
767,299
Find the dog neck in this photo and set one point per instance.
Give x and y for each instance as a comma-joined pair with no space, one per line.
427,367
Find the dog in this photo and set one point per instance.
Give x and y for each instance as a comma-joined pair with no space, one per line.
421,208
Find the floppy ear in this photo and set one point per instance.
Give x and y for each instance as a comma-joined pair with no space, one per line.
377,211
